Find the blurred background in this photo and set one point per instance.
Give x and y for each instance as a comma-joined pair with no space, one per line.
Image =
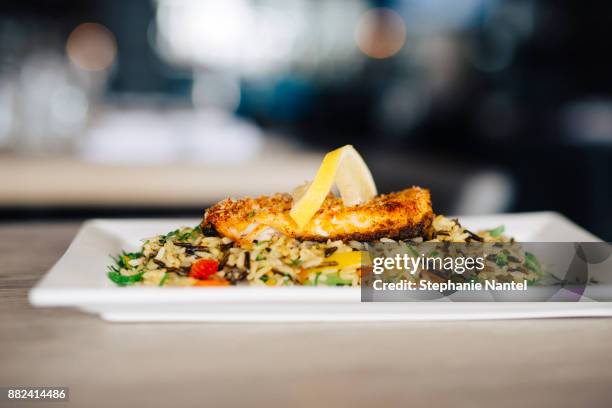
160,108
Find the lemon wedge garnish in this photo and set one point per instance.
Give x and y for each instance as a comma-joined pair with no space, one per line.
344,167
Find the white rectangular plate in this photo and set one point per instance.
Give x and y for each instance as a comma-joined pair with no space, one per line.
79,280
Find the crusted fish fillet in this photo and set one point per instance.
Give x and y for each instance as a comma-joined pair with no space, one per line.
401,215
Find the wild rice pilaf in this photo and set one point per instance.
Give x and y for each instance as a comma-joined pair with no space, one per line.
167,260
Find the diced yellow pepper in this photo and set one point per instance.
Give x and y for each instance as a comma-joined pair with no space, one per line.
343,260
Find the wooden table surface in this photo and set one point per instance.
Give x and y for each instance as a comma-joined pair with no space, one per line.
540,363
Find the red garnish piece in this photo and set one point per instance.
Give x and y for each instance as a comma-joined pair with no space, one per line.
203,269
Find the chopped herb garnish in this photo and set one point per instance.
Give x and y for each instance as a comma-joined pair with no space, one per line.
163,279
184,236
501,259
188,234
496,232
532,263
123,280
171,234
123,259
316,281
413,251
333,280
477,279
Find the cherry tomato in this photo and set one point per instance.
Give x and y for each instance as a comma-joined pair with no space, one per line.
203,268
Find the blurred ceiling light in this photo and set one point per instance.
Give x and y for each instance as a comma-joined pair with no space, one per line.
380,33
229,34
256,38
91,47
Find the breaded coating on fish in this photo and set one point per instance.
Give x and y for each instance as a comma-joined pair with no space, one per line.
401,215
